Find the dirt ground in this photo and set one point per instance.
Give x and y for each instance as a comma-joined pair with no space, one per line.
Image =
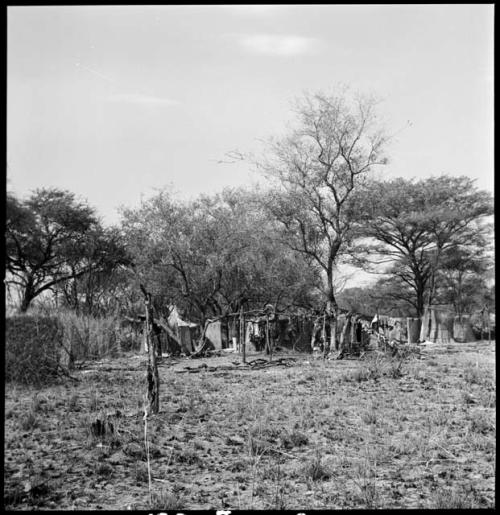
369,433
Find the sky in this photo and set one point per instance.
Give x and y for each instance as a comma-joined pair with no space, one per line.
116,102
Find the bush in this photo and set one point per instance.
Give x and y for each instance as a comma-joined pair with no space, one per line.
87,338
38,346
33,349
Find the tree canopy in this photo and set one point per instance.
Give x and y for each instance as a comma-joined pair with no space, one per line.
412,224
52,237
213,255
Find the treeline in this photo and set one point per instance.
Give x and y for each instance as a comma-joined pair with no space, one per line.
430,239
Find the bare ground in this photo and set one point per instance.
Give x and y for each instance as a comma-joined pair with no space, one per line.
371,433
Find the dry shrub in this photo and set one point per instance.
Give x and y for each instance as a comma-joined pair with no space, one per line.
293,438
464,498
39,346
33,349
166,500
474,374
88,338
316,470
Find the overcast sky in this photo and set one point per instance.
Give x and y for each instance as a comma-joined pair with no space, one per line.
113,102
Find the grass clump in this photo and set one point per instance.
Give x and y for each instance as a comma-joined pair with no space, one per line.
482,424
33,349
455,499
369,417
188,456
166,500
30,421
316,470
72,404
293,438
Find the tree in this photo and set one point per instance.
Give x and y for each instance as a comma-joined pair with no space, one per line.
412,224
106,259
213,255
314,171
45,240
463,279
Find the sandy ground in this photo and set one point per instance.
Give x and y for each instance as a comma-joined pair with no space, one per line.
370,433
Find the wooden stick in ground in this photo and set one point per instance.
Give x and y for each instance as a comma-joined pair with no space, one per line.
146,444
488,322
271,345
242,334
323,336
152,376
268,343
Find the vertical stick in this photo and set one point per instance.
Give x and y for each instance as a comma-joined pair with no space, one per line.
271,341
482,324
268,345
243,341
323,336
152,375
240,327
488,322
242,334
146,444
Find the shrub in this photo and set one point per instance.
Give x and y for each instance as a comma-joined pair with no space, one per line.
33,349
316,470
456,499
38,346
166,500
292,439
369,417
87,338
29,421
481,423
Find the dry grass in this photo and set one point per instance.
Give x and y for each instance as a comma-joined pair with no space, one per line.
374,433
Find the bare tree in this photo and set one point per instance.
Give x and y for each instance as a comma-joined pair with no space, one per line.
314,170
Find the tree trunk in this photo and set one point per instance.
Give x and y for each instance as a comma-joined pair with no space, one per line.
332,310
152,375
28,296
420,300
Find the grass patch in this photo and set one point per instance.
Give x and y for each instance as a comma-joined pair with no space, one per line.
316,470
257,439
166,500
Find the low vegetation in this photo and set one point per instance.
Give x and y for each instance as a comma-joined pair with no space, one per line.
318,434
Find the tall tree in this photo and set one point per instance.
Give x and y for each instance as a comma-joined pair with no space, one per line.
213,255
45,240
388,296
314,171
463,279
104,255
412,224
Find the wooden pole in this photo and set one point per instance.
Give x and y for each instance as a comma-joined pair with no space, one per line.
152,376
268,343
242,334
271,345
482,323
488,322
323,335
